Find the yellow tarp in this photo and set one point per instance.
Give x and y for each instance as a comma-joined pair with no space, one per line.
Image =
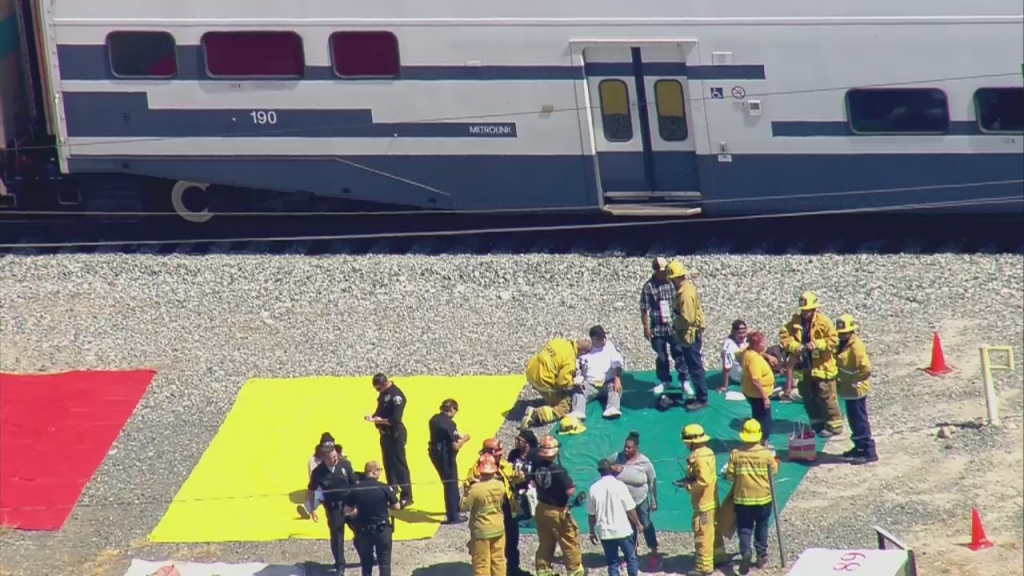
253,475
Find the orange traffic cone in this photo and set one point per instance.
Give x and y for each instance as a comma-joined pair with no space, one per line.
938,367
979,540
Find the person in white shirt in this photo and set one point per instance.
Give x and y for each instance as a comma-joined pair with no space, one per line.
731,365
612,514
599,375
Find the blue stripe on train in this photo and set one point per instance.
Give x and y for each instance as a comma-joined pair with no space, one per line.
127,115
748,184
8,35
90,62
841,128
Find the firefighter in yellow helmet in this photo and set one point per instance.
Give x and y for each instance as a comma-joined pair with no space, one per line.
853,386
688,324
555,524
701,482
552,373
749,468
811,339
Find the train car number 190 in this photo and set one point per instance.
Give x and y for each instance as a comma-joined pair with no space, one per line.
263,117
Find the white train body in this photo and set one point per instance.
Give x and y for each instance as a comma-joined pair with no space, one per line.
738,106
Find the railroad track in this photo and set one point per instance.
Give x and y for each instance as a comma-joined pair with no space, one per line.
518,234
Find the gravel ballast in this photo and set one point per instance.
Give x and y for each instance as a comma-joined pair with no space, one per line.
209,323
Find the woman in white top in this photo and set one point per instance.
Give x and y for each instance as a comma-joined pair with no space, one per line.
731,366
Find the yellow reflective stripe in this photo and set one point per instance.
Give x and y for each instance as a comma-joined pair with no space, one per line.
752,501
707,506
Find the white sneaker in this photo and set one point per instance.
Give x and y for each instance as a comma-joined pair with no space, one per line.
524,424
578,416
688,388
612,413
659,389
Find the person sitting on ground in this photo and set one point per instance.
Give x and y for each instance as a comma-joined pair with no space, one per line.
732,369
599,375
552,373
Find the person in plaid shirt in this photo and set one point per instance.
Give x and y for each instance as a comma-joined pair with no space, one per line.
656,312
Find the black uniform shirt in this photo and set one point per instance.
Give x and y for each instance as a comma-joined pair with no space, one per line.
523,462
443,434
334,483
553,483
391,407
371,499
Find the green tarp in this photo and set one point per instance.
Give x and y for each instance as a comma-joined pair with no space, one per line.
660,441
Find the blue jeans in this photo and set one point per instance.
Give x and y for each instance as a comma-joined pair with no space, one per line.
667,348
643,513
690,356
611,555
860,427
752,524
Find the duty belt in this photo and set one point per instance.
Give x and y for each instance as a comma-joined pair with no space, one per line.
375,527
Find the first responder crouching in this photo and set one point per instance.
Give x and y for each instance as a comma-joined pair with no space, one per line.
701,482
334,478
854,371
810,338
750,468
552,373
370,502
391,402
510,507
555,524
445,442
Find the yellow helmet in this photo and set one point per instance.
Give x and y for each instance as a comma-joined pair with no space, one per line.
548,448
675,269
571,425
808,301
694,434
751,431
845,324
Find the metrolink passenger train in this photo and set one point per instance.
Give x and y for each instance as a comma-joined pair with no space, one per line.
722,107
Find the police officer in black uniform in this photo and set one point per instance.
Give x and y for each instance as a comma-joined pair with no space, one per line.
393,435
445,442
334,477
370,502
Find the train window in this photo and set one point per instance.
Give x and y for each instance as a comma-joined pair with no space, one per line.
1000,109
668,99
254,55
897,111
365,54
615,111
142,54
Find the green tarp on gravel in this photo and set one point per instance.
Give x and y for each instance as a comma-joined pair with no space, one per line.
660,441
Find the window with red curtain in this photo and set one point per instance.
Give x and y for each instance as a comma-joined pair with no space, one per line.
254,54
365,54
142,54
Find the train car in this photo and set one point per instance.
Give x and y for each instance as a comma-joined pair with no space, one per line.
719,107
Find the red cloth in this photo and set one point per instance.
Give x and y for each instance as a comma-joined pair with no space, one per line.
55,431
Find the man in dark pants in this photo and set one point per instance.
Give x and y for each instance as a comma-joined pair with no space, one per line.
445,442
393,435
334,477
853,386
689,324
656,299
370,502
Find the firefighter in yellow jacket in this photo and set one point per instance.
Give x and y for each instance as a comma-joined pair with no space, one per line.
811,339
853,386
689,324
749,468
552,373
702,483
509,506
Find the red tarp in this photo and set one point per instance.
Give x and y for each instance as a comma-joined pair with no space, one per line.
55,431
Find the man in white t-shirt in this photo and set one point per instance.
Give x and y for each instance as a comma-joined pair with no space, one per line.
612,514
735,342
599,375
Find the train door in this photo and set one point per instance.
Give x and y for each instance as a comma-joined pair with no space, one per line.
640,124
